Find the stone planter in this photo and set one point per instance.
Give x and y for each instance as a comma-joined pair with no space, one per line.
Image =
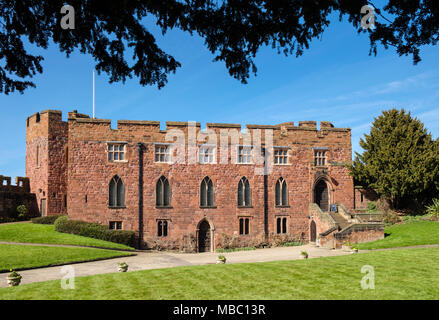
220,261
122,268
304,255
14,281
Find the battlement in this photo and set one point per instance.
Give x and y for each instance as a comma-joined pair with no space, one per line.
21,184
43,117
122,124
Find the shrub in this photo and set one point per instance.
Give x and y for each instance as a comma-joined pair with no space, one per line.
433,209
93,230
22,212
371,207
47,220
7,220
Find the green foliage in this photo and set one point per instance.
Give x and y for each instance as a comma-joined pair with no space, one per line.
400,274
221,250
6,220
14,274
47,219
406,234
92,230
123,46
433,209
22,257
371,206
22,212
292,244
400,159
46,234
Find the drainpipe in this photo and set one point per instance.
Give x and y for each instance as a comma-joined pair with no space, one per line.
265,196
140,189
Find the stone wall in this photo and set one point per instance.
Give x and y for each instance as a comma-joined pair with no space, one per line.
46,160
12,196
363,197
89,172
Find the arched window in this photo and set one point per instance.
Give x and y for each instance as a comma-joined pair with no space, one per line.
206,193
244,193
117,192
281,192
163,193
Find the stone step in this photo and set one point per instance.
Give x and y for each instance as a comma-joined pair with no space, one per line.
341,221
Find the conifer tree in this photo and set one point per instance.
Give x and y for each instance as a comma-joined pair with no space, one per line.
400,160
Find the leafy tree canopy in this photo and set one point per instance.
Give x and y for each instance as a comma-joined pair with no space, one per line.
400,159
233,31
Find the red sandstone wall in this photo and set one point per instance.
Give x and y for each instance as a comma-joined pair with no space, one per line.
89,174
48,180
363,197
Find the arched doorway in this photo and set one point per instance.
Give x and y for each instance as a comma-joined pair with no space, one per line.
313,232
321,195
204,237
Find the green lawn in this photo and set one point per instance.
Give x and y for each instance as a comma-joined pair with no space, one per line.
399,274
408,234
40,233
25,257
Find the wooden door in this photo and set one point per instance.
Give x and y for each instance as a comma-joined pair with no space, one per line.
322,195
204,237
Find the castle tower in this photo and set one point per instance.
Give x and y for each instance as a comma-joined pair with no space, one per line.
46,160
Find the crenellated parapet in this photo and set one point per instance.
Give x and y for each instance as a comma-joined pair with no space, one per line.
21,184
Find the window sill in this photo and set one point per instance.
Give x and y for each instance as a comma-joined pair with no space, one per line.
116,208
164,207
245,207
283,206
208,207
118,161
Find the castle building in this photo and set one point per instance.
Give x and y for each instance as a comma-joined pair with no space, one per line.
220,187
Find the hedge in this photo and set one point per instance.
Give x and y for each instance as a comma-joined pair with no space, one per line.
96,231
47,219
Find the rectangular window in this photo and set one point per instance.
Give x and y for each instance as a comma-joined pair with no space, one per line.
162,228
319,158
244,226
116,152
115,225
206,155
281,225
244,155
162,154
281,156
38,156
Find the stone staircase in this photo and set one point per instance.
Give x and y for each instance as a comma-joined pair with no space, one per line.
339,220
336,228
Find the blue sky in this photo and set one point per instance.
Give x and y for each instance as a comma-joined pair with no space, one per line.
336,80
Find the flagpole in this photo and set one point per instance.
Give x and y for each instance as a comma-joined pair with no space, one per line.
93,93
